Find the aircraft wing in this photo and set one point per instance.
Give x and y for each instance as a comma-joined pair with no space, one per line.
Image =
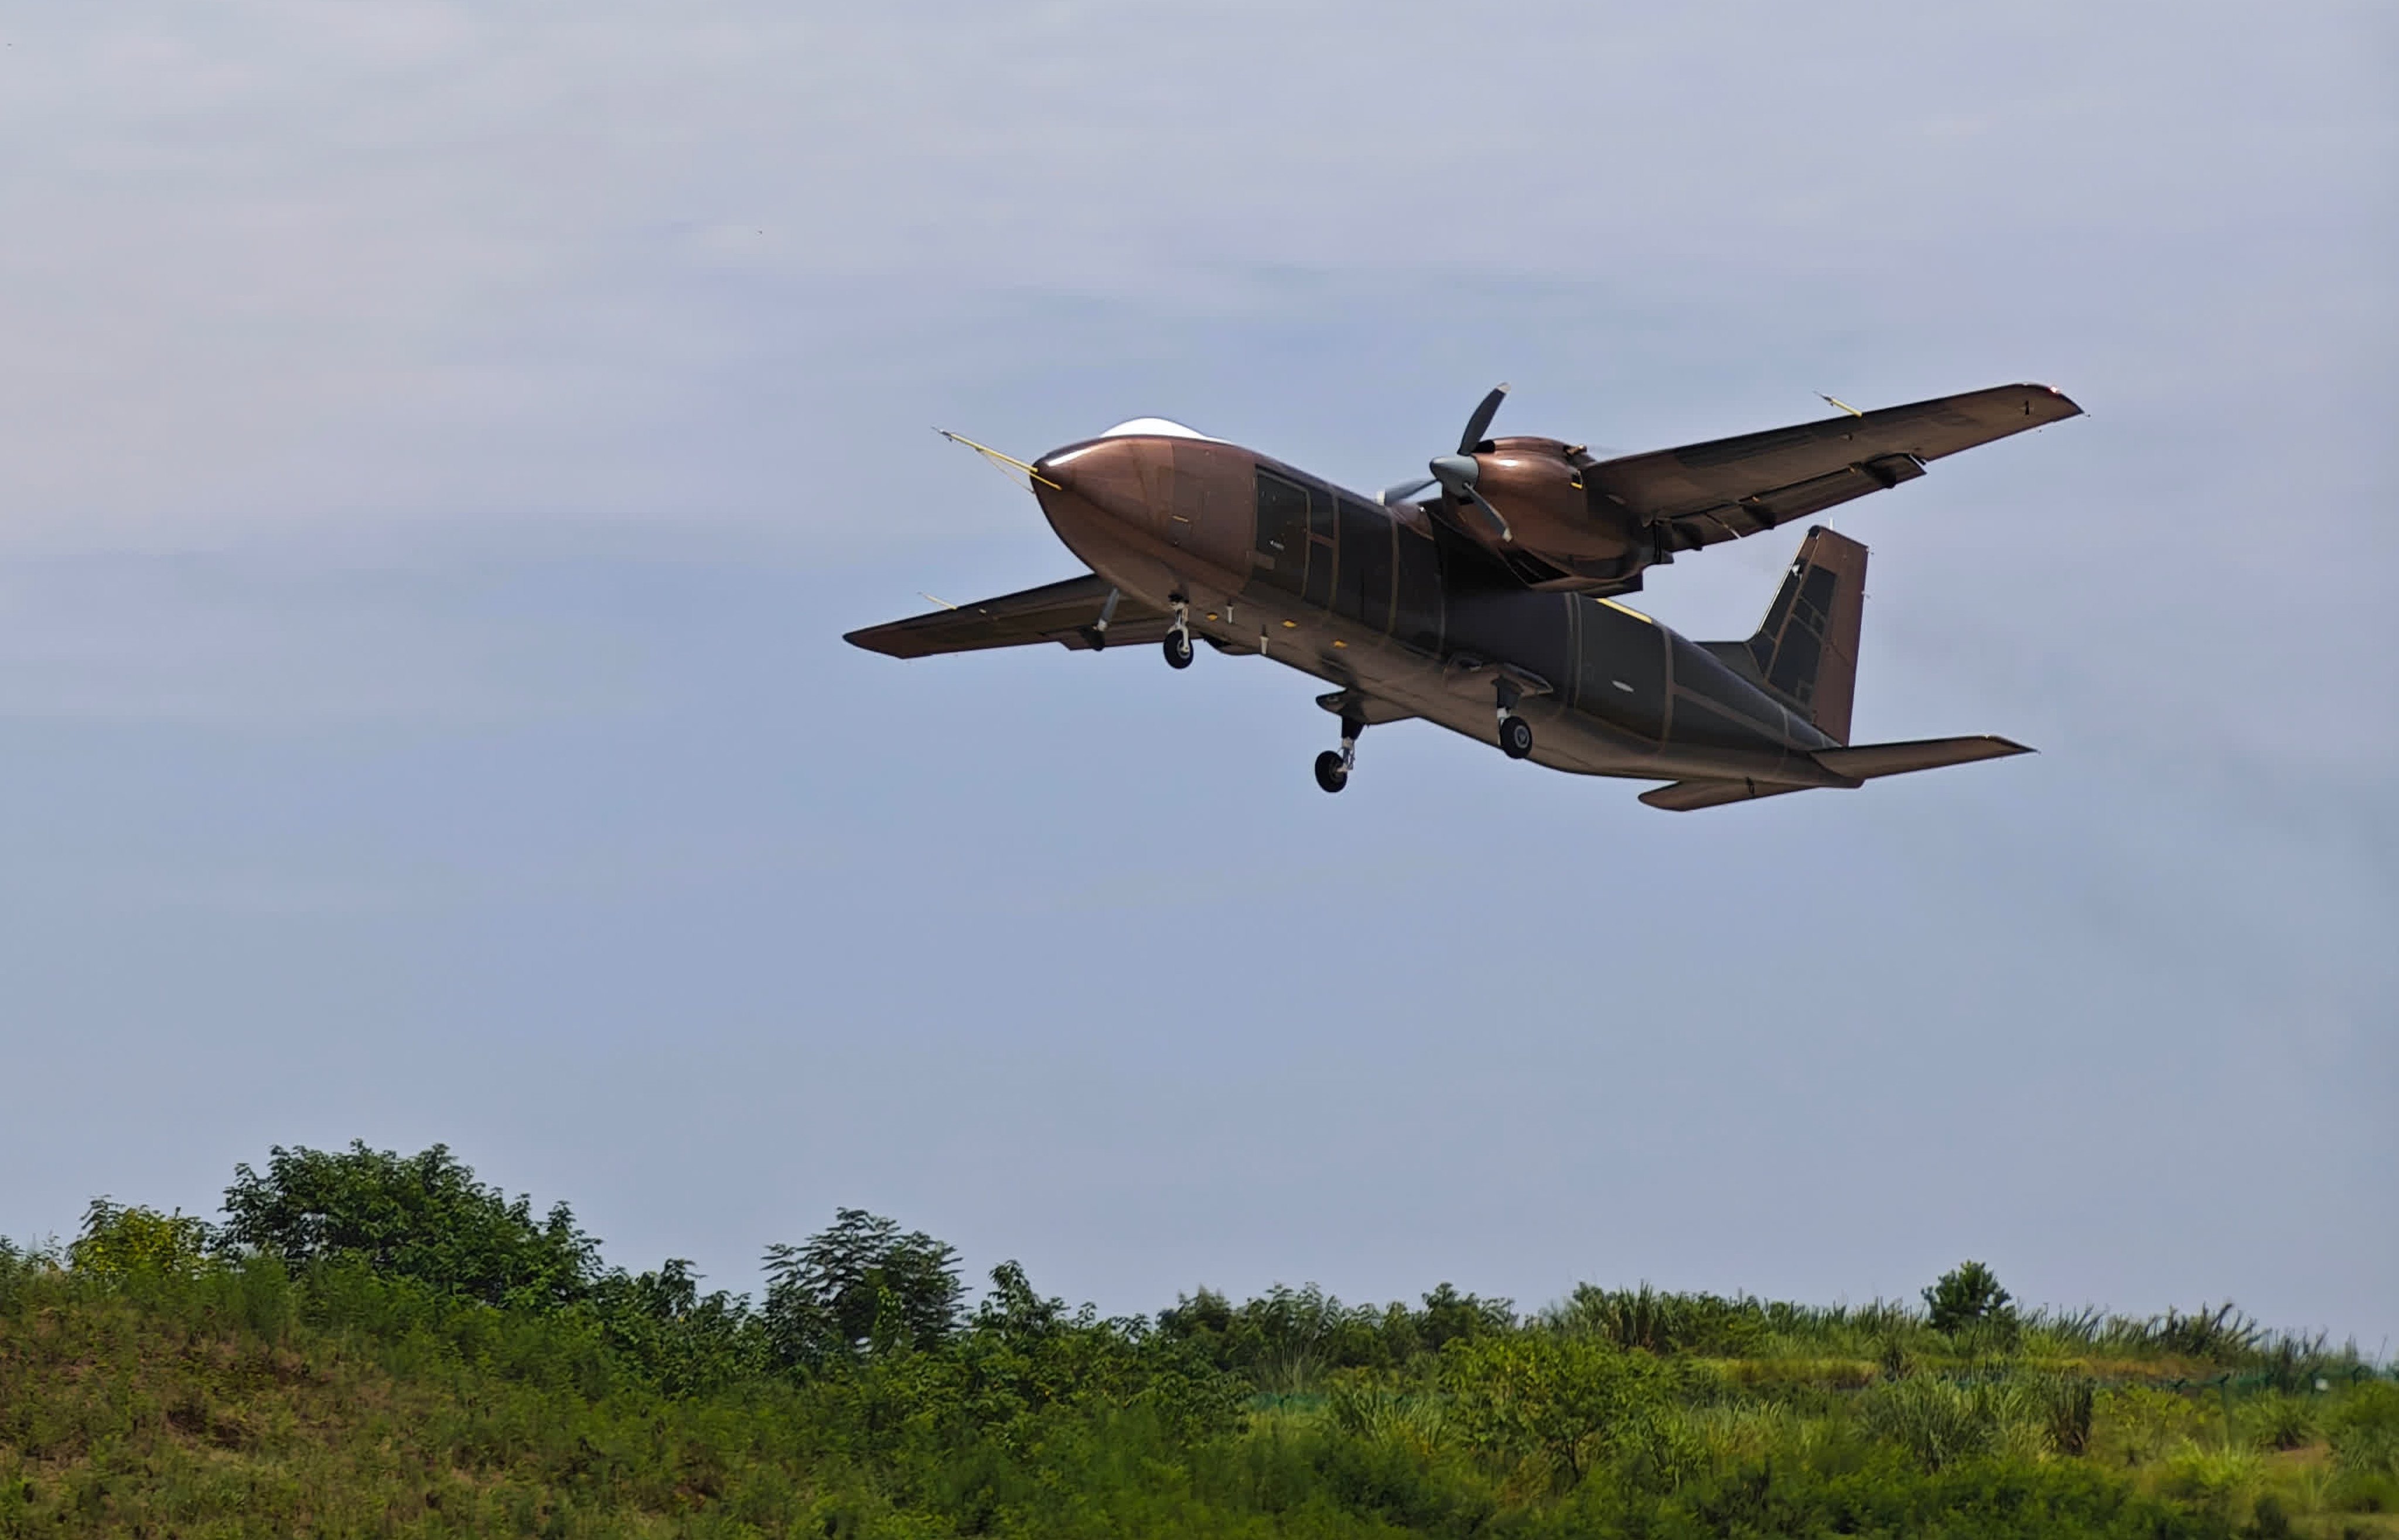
1055,612
1703,493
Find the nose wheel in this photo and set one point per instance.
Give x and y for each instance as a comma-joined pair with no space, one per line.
1333,765
1177,645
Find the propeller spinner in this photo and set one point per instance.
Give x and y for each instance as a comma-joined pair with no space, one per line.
1456,473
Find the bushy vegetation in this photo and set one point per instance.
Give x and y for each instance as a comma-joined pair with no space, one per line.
372,1344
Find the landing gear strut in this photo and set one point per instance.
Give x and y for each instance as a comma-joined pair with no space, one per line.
1515,732
1333,766
1178,641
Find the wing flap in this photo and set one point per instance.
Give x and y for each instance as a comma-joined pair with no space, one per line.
1055,612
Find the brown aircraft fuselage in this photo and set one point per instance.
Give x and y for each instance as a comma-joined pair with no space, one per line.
1400,611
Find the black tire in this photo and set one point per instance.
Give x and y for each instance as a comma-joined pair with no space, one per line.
1516,737
1331,773
1177,647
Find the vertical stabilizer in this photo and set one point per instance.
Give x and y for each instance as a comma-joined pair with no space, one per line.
1807,647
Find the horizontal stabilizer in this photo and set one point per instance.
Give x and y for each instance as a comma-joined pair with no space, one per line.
1867,760
1684,796
1863,763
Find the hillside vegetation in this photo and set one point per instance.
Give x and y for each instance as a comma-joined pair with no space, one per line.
376,1344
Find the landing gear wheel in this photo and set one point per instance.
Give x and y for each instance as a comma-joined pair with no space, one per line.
1516,737
1177,647
1331,772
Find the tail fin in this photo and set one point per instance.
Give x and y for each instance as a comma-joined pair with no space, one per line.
1807,646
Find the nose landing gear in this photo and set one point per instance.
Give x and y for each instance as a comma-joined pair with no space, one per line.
1333,766
1177,644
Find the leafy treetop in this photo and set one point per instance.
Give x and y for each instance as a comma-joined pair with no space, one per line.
423,1217
1965,1295
859,1286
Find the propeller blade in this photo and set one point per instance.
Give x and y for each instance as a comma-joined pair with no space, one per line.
1403,490
1479,426
1498,524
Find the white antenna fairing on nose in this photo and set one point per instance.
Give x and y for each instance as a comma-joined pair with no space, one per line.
1158,428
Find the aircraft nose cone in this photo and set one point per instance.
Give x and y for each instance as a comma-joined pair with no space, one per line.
1106,474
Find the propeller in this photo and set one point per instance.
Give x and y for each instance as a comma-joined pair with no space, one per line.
1478,427
1456,473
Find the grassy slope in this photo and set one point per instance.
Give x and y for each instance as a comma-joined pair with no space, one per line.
242,1404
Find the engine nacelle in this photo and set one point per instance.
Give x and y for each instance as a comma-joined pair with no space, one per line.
1558,533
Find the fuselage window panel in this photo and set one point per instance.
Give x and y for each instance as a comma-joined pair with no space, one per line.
1365,589
1319,549
1282,532
1418,602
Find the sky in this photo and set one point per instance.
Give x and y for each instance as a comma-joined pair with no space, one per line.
441,447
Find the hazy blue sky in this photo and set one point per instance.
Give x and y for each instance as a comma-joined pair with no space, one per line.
440,448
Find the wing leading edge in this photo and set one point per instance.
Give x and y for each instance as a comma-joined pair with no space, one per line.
1701,494
1063,612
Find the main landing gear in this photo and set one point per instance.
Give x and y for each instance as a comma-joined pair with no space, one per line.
1515,732
1177,645
1333,766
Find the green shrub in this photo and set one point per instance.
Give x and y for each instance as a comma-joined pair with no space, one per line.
1660,1322
2278,1421
117,1241
1968,1295
2141,1425
1938,1424
860,1287
2221,1333
2067,1406
1565,1401
2213,1481
422,1216
2364,1429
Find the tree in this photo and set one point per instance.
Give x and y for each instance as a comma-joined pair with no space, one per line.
1567,1399
118,1240
683,1341
423,1217
857,1288
1968,1294
1449,1317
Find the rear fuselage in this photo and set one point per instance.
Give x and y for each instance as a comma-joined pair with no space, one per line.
1391,605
